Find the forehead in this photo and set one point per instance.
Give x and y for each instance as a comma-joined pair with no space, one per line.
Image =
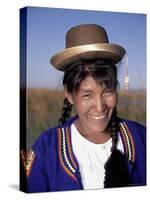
89,83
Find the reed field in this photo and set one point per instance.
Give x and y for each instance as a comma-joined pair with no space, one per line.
44,108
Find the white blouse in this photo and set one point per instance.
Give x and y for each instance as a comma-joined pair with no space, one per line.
91,158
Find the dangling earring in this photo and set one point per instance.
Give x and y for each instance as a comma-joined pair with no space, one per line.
126,79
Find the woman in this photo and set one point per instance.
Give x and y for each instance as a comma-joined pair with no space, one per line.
94,149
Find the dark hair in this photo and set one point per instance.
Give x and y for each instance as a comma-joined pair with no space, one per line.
104,72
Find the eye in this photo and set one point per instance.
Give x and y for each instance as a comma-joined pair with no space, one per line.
87,95
108,92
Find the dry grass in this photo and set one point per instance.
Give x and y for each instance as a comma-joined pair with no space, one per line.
44,108
132,105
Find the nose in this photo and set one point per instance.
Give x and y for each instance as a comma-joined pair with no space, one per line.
100,104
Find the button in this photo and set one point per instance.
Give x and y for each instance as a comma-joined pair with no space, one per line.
103,147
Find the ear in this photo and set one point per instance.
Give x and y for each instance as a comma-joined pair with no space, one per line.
68,96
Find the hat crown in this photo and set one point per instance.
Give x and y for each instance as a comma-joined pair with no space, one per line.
86,34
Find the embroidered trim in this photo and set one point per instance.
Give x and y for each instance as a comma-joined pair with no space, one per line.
64,153
27,160
128,142
132,142
69,148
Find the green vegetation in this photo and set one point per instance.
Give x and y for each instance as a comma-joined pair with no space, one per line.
44,108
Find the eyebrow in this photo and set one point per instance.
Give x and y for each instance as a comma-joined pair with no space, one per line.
90,90
85,90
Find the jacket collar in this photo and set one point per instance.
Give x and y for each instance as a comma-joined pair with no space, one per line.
128,141
67,158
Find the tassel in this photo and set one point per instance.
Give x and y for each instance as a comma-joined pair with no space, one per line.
126,73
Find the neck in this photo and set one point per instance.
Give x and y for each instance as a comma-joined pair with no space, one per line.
95,137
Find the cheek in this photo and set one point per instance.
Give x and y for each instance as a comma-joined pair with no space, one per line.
112,101
82,107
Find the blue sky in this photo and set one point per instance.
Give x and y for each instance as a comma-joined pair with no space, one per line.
46,29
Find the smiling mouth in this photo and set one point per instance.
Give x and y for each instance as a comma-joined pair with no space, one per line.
99,117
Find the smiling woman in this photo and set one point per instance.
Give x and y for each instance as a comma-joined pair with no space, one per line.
94,100
95,149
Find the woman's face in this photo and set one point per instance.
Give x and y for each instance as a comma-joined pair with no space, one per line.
94,104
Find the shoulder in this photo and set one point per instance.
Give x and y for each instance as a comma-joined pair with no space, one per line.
136,129
132,123
49,138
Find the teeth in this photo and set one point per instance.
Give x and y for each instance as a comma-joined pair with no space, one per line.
100,117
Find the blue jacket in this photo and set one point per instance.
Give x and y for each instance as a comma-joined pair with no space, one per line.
54,167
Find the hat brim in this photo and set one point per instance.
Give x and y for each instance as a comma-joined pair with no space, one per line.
84,52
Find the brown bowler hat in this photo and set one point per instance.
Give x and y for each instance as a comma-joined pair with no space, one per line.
84,42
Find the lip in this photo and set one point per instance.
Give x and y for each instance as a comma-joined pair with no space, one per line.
99,117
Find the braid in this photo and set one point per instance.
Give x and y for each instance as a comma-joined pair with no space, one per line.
114,130
116,167
66,111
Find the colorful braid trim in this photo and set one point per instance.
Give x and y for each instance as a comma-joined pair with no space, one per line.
69,148
27,160
64,153
128,141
